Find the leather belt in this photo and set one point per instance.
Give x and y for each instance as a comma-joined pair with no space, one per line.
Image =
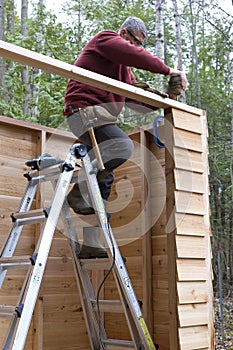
70,110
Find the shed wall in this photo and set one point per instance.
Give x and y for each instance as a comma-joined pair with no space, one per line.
139,206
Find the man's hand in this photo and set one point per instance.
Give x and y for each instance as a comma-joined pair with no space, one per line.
184,82
174,88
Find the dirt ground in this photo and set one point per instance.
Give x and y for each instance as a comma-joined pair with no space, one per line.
227,312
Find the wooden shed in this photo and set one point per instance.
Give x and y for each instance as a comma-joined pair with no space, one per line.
160,217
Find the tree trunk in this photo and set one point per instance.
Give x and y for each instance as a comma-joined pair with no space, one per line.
231,207
35,87
25,70
178,43
2,62
195,56
159,37
10,16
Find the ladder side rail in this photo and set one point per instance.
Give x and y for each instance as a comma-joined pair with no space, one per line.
15,232
9,338
83,282
94,325
25,204
43,251
136,334
119,266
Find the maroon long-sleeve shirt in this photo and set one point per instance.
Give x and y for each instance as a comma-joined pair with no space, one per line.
112,56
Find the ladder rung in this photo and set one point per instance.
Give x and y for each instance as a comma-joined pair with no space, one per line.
14,262
95,264
52,170
29,214
7,310
114,306
114,344
31,221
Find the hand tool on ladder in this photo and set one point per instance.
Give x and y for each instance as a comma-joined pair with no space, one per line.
22,314
89,124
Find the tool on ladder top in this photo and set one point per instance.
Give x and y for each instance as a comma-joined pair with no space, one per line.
61,175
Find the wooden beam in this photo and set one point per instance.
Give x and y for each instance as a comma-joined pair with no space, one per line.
146,238
38,325
171,234
33,126
69,71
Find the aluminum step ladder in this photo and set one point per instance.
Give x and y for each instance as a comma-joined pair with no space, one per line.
61,174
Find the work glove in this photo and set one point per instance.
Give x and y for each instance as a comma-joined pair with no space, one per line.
174,86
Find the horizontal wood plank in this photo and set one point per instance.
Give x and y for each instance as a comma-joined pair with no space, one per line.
189,224
191,203
189,181
188,160
193,314
69,71
187,140
194,338
192,270
191,247
187,121
192,292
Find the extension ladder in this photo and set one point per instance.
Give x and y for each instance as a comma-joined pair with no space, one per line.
61,174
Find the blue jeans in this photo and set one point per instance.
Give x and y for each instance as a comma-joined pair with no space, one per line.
115,148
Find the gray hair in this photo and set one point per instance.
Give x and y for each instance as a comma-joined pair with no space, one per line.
135,24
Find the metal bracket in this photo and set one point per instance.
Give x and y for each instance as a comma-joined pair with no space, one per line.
155,130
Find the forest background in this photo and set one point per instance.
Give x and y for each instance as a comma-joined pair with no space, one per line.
191,35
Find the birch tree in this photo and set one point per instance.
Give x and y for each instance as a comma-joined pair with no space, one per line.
159,37
178,43
36,73
194,55
2,62
25,69
10,15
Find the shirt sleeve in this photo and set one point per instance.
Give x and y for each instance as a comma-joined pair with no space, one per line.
118,50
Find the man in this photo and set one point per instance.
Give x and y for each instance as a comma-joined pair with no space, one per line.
110,54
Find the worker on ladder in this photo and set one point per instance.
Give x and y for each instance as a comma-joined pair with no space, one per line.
110,54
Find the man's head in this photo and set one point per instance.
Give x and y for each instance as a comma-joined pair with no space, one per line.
134,30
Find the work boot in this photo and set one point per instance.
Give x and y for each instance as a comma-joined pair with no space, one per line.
92,247
79,200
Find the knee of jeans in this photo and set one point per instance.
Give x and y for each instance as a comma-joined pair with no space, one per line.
126,148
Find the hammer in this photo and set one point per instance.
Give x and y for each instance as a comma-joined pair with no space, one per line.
90,127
